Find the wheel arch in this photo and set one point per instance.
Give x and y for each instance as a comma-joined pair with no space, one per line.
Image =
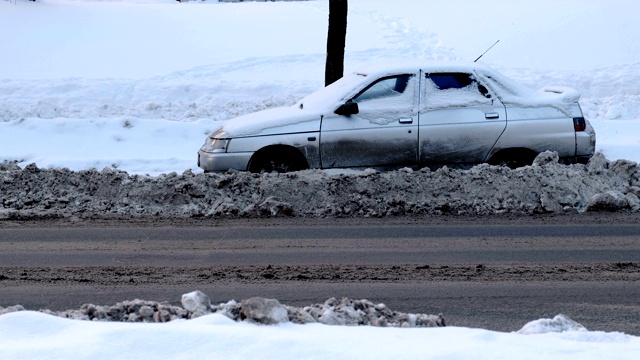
513,157
278,151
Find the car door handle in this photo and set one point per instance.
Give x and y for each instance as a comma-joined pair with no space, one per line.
406,121
492,115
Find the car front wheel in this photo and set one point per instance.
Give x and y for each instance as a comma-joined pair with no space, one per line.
277,159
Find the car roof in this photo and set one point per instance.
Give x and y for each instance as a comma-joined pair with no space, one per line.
405,67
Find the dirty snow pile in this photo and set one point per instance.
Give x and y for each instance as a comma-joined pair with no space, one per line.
256,310
544,187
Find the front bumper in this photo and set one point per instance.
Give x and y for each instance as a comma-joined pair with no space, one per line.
220,162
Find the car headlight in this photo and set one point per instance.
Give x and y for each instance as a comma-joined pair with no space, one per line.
216,142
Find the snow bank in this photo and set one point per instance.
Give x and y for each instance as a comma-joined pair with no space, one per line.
545,187
255,310
33,335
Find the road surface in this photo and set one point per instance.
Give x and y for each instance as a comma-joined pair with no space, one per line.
494,272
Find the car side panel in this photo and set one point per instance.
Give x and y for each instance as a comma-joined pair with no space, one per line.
369,145
538,129
459,135
307,143
459,124
383,133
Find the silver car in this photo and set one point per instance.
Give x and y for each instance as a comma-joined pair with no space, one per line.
407,115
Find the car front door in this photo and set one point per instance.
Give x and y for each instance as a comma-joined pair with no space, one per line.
460,119
384,132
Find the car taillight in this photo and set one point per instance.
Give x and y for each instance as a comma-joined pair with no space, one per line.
579,124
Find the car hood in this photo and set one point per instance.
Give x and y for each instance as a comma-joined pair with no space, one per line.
282,120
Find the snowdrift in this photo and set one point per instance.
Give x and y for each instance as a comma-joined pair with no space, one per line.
544,187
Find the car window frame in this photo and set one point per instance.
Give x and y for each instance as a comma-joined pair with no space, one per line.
366,88
479,86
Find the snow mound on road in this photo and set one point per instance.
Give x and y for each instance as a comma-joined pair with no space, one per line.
545,187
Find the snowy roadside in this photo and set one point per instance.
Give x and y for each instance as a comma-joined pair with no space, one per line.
544,187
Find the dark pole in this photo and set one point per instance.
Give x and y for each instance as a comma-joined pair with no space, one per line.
336,39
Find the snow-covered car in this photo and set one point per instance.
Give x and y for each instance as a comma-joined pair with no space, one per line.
407,115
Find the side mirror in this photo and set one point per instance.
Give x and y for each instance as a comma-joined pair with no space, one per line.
348,108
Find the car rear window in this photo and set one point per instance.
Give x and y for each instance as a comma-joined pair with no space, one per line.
445,81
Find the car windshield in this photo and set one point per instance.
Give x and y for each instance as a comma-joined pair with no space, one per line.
334,95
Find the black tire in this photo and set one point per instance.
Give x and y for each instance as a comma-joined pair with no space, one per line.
513,158
278,159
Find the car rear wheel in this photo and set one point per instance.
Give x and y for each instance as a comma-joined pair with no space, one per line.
513,158
277,159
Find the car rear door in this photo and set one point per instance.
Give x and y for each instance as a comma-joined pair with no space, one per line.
383,133
460,119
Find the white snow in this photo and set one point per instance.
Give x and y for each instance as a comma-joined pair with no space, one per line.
32,335
559,323
138,84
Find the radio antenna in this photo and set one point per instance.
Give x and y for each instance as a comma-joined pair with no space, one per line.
494,44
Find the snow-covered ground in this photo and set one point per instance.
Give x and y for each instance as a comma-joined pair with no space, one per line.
136,85
32,335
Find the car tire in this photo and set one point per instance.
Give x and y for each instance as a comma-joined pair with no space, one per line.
513,158
277,159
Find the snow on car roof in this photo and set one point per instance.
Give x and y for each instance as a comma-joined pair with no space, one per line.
332,96
412,67
509,91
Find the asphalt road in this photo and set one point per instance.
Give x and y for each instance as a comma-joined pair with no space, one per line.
497,273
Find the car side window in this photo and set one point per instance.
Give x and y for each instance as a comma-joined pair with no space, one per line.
384,88
453,90
447,81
